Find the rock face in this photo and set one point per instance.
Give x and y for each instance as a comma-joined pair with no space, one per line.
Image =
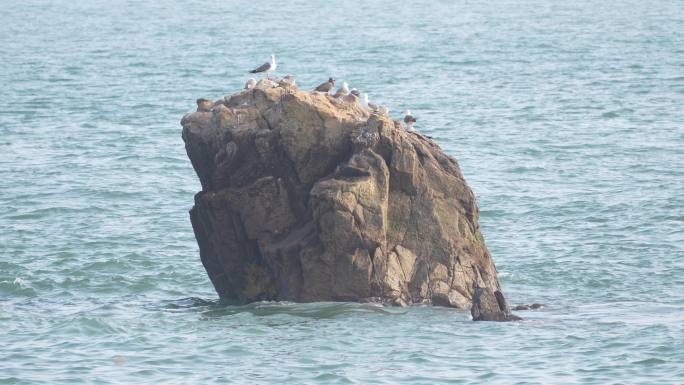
309,198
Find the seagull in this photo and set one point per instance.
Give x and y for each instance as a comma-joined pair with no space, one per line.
350,98
343,91
266,67
289,79
250,83
327,86
409,119
367,104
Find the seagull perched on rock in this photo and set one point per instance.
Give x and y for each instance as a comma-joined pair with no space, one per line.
350,98
353,96
266,67
409,119
250,83
327,86
343,91
367,104
288,80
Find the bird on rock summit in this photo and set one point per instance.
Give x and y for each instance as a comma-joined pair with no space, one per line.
266,67
327,86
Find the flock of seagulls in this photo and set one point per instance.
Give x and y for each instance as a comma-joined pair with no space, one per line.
343,92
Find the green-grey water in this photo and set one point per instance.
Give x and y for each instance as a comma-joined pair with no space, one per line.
567,119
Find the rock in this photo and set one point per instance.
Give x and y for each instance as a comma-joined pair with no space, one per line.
533,306
305,198
204,104
265,82
490,305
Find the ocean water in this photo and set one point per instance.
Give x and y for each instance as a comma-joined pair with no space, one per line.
567,119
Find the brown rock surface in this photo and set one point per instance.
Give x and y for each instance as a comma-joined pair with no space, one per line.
307,198
490,305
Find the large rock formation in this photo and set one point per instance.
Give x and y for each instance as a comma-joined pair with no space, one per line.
308,198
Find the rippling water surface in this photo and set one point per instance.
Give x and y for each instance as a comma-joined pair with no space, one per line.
567,120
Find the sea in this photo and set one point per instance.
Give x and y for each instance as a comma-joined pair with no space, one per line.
567,119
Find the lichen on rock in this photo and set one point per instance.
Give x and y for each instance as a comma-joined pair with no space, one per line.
308,198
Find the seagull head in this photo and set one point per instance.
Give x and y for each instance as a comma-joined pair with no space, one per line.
331,80
354,92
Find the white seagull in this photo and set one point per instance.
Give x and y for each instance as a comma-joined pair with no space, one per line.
365,103
343,91
352,97
266,67
289,79
250,83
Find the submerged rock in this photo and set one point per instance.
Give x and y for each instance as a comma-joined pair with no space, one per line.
308,198
490,305
533,306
